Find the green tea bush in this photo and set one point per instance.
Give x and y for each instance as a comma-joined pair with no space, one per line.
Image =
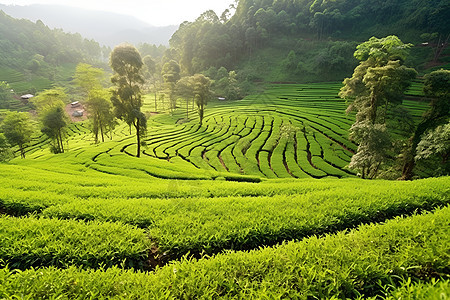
210,225
353,264
32,242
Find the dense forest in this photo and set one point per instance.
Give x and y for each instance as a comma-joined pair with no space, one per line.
302,40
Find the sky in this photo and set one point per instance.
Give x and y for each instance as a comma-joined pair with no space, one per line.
154,12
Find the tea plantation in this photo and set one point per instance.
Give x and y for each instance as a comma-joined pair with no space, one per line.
257,203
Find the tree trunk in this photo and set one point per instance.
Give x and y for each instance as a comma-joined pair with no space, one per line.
408,167
156,107
22,151
60,141
373,109
101,131
187,109
138,136
409,162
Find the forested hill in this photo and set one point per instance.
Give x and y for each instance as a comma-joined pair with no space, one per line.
34,57
24,43
301,40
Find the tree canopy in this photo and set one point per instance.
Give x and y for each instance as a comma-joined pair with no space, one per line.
18,130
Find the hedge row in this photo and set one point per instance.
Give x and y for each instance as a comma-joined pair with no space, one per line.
356,264
32,242
210,225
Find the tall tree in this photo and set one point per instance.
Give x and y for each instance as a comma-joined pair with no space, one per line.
126,63
152,78
54,122
50,107
99,106
171,75
202,93
18,130
185,89
379,81
100,113
437,89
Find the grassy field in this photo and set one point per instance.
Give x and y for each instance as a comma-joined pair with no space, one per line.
255,203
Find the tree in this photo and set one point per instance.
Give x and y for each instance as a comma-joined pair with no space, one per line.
49,98
435,142
99,106
88,78
126,63
5,151
185,89
50,107
54,122
5,94
374,143
171,75
100,113
379,81
201,93
437,89
18,130
150,74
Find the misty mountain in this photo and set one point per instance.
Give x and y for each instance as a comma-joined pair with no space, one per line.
105,27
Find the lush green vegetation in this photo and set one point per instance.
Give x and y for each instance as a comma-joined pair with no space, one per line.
179,186
31,242
374,260
34,57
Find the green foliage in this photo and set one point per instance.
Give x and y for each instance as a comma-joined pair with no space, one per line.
201,93
50,98
5,149
374,144
50,106
265,33
18,130
5,94
436,143
126,97
32,242
171,74
436,87
88,78
379,81
54,122
101,114
355,264
210,225
383,50
38,54
434,289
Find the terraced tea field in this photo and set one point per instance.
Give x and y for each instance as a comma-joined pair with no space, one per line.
283,217
289,131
